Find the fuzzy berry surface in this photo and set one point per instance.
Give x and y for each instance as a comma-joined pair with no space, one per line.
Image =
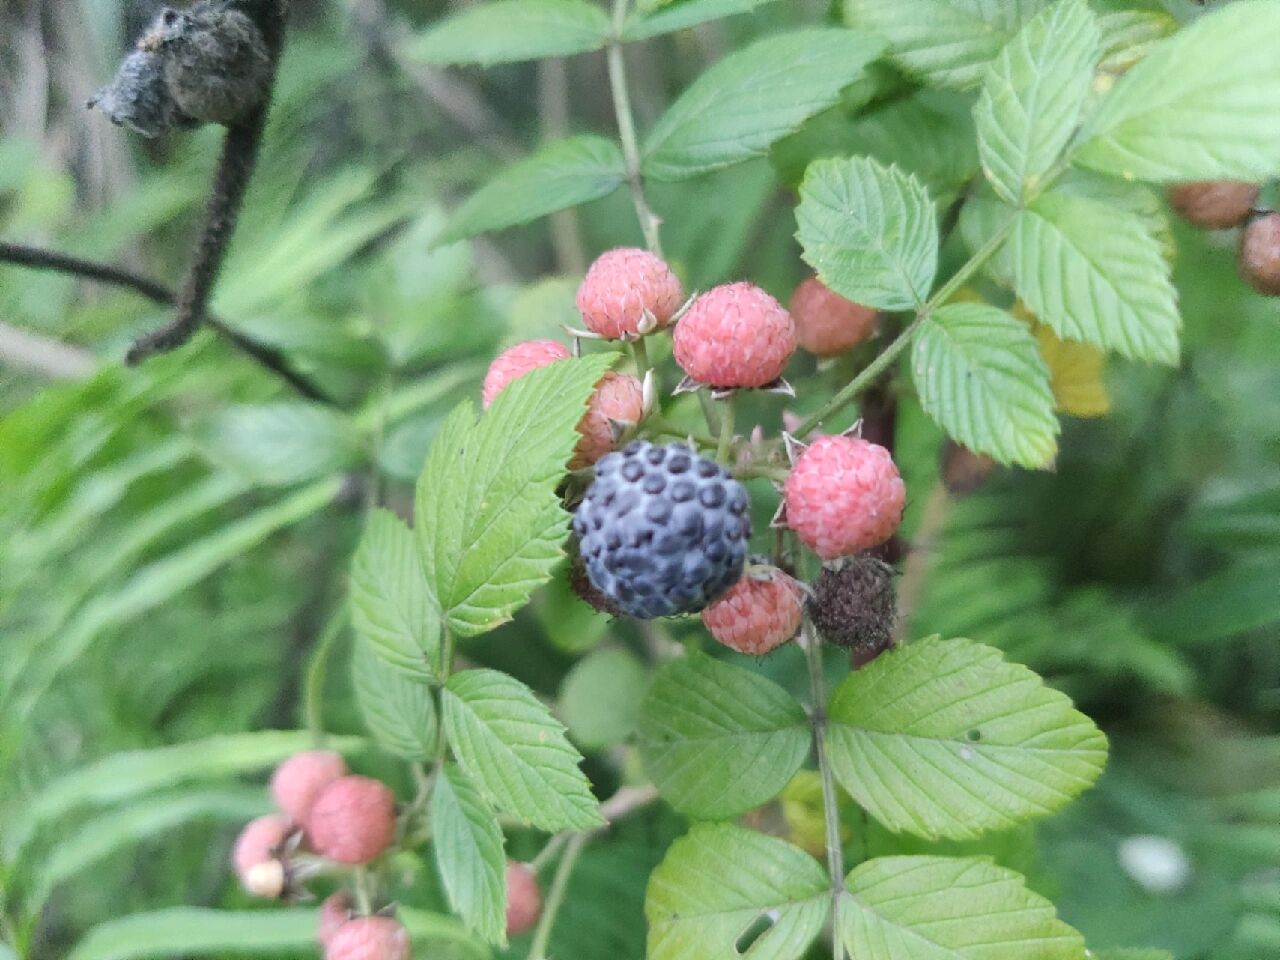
826,323
298,780
844,495
760,613
618,397
353,820
620,286
735,335
524,898
1214,204
514,362
1259,259
334,913
854,605
258,844
662,530
369,938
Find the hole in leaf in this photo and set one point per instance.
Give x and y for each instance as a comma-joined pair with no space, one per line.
973,736
756,929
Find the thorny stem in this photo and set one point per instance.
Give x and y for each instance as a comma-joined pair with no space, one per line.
830,812
627,131
555,897
890,353
725,445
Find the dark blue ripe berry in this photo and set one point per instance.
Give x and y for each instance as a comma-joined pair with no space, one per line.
662,530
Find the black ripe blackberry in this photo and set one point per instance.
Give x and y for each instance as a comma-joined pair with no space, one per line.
662,530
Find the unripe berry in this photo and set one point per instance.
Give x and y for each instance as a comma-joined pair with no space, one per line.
760,612
1214,204
618,397
514,362
826,323
844,495
369,938
1259,259
621,286
735,335
334,913
256,856
299,779
524,898
353,820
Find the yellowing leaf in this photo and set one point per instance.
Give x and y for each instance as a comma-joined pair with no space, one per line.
1075,370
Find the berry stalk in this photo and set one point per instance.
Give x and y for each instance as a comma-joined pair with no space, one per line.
627,131
555,896
830,812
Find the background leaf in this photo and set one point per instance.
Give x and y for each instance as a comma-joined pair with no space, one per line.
679,16
505,31
922,908
600,698
869,231
753,97
944,738
718,740
718,880
468,847
982,379
397,709
516,751
279,443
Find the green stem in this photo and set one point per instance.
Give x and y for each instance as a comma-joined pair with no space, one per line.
725,446
627,131
830,810
890,353
317,671
364,903
640,355
555,897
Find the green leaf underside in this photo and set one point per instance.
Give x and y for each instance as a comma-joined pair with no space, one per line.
945,908
516,751
397,709
717,881
489,524
754,97
945,739
468,848
869,231
1093,272
981,378
507,31
1200,106
680,16
560,175
1032,96
717,739
946,42
391,604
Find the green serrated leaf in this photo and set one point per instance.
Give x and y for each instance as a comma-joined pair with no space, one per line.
397,709
753,97
1199,106
944,738
1128,36
490,526
669,17
981,378
560,175
718,881
600,698
944,908
392,608
869,231
468,849
1093,272
947,43
717,739
1032,95
507,31
279,443
1144,202
516,751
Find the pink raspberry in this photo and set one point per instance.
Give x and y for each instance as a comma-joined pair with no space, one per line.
618,396
620,286
844,494
256,856
758,614
296,782
334,913
735,335
524,898
369,938
826,323
352,820
514,362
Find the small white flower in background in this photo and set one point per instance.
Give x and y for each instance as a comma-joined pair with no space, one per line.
1157,864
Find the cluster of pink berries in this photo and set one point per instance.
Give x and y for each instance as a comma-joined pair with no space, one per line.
1224,204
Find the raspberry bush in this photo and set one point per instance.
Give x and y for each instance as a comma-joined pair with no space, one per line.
729,593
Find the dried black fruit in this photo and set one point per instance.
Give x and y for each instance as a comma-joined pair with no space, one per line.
854,606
